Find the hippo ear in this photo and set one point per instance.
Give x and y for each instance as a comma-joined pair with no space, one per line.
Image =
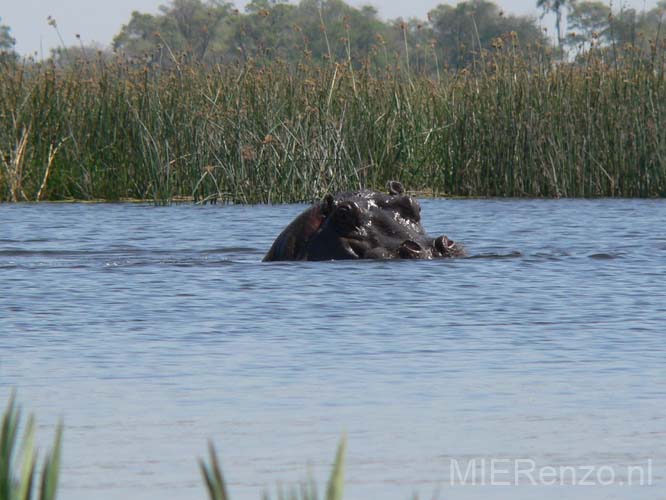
395,188
328,205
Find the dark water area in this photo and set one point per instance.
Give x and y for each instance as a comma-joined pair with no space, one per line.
150,330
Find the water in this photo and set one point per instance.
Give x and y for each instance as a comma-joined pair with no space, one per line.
150,330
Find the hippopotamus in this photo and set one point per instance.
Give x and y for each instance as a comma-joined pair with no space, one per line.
362,224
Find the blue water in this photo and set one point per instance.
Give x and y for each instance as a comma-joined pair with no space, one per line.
151,330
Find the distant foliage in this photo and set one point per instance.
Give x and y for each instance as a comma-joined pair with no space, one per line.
593,24
319,30
188,28
556,7
73,55
464,30
7,43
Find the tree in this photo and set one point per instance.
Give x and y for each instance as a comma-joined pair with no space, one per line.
473,25
7,43
321,29
266,30
587,21
314,28
641,32
196,22
556,7
331,28
183,27
629,27
140,35
414,40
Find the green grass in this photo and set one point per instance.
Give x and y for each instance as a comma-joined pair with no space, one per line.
19,476
515,124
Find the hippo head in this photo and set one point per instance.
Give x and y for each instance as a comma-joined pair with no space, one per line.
361,225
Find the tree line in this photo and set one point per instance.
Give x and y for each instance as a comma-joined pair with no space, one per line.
214,31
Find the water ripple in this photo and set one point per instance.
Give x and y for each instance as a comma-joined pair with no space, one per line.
151,330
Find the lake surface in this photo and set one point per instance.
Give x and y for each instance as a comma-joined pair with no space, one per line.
150,330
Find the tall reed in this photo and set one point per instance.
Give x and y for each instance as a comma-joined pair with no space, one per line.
516,123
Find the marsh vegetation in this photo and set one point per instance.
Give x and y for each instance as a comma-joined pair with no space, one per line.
499,116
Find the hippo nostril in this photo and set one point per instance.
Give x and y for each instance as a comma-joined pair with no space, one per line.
444,246
410,250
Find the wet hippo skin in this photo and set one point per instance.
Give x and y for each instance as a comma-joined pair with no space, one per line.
361,225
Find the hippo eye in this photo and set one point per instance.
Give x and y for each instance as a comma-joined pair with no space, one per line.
409,208
346,215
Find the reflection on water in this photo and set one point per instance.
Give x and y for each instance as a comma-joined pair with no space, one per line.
150,330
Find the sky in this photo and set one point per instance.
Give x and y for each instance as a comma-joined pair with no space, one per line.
98,21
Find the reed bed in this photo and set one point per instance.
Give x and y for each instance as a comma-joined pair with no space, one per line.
515,123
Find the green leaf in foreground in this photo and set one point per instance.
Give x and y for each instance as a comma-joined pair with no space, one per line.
217,490
22,460
212,474
335,487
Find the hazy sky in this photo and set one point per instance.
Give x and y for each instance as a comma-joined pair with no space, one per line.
99,21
